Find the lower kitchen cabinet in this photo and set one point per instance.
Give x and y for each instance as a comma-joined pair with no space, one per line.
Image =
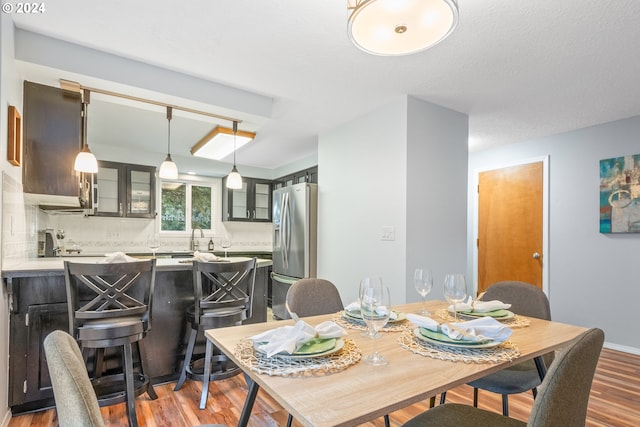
37,305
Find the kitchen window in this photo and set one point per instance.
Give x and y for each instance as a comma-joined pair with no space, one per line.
185,205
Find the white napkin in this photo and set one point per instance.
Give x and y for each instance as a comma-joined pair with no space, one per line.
480,306
288,339
204,256
117,257
482,329
355,306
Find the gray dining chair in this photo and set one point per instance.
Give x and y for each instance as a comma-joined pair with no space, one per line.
312,297
562,401
526,300
76,401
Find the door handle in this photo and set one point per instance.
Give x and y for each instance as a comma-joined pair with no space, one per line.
536,255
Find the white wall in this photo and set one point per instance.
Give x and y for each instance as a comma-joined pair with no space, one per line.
594,280
10,94
362,188
393,167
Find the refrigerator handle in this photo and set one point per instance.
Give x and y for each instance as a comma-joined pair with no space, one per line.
285,233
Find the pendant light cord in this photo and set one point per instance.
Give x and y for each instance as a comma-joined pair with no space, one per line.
235,131
169,131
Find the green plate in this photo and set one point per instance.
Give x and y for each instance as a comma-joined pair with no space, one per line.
312,348
316,345
497,314
439,336
356,315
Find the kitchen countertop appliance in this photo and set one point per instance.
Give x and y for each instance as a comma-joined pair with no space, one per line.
50,242
295,223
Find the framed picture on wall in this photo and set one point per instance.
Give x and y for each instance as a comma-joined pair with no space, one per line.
620,194
14,139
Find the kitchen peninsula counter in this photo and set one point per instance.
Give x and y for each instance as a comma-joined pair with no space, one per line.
36,295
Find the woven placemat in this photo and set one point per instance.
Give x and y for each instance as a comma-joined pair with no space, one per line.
515,322
506,351
348,323
349,355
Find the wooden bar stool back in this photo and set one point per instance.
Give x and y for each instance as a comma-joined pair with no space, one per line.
109,307
223,296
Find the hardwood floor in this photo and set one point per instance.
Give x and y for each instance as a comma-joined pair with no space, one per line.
614,402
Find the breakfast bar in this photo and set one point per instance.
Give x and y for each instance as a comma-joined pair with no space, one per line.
38,304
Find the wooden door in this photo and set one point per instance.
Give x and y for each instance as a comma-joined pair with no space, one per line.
510,225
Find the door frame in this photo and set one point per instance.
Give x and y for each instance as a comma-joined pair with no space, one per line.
545,215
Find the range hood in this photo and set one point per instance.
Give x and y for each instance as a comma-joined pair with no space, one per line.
59,204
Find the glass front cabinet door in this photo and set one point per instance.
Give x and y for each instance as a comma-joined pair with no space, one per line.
125,190
251,203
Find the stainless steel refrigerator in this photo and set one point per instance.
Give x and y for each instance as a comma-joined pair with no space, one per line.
295,223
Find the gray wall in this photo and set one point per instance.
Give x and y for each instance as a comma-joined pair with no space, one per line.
594,280
436,193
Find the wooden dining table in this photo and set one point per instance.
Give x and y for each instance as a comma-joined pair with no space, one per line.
362,392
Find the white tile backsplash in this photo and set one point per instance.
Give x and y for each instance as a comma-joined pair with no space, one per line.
19,223
99,235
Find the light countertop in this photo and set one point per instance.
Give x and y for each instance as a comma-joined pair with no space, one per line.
54,266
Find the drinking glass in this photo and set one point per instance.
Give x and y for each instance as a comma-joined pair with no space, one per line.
455,290
423,280
225,243
375,306
153,242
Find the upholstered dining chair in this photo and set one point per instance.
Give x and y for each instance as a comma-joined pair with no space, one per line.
76,401
526,300
311,297
562,400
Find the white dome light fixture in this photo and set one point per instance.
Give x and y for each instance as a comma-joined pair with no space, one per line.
168,168
400,27
234,179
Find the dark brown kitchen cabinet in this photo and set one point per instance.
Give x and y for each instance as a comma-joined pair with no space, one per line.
52,138
125,190
251,203
305,175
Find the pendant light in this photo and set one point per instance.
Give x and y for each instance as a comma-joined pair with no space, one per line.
234,180
85,160
168,169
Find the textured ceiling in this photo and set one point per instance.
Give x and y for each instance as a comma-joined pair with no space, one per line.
519,69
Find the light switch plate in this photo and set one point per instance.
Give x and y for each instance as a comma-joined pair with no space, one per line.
388,233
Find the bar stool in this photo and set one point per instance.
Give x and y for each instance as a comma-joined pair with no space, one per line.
110,306
223,296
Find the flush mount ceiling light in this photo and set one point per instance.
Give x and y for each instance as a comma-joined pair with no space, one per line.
221,142
168,169
85,160
234,180
400,27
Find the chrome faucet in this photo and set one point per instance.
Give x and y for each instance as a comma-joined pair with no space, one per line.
194,244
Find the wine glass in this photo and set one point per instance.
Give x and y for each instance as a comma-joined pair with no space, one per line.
375,306
455,290
423,280
225,243
153,242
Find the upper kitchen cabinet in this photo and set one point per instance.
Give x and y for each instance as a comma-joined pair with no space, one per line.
307,175
250,203
52,139
125,190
